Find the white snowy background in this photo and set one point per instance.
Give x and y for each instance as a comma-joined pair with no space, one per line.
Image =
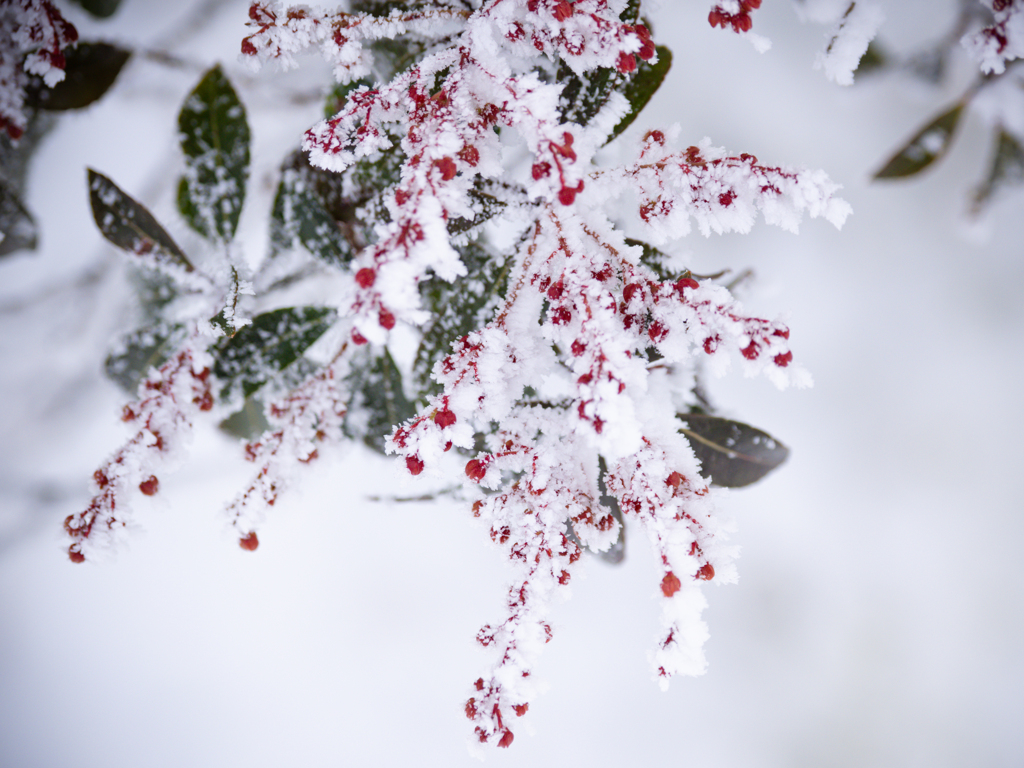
879,617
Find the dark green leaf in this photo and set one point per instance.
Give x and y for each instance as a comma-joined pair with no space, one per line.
128,225
927,145
458,308
617,552
16,224
262,350
90,71
873,60
380,400
1005,170
214,135
141,350
487,205
299,216
642,86
732,454
583,95
100,8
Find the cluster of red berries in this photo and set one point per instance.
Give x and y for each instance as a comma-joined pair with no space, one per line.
740,22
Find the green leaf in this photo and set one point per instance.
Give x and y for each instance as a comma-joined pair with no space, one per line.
732,454
874,59
927,146
100,8
617,552
642,86
299,216
487,206
261,351
17,227
1005,170
379,399
141,350
128,225
90,71
214,135
583,95
458,308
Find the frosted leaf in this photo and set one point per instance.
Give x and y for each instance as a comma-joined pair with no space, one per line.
848,43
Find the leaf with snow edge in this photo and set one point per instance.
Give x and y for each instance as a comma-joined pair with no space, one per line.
458,308
656,259
90,71
298,216
926,146
130,226
583,96
850,41
1005,170
248,422
17,227
142,350
643,85
259,352
214,136
380,397
732,454
616,553
487,205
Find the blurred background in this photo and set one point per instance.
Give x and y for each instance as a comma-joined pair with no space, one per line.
879,616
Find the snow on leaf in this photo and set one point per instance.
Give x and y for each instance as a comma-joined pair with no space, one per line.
214,136
732,454
925,147
255,354
853,33
90,71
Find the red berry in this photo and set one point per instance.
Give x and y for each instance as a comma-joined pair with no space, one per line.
578,348
626,63
647,51
444,418
784,359
469,155
358,339
249,542
475,470
387,320
670,584
414,464
742,23
686,282
471,709
630,291
674,479
657,331
562,11
366,277
563,578
520,709
561,316
248,48
447,167
751,351
506,739
541,171
150,485
75,556
706,572
567,196
715,18
205,402
711,344
782,332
